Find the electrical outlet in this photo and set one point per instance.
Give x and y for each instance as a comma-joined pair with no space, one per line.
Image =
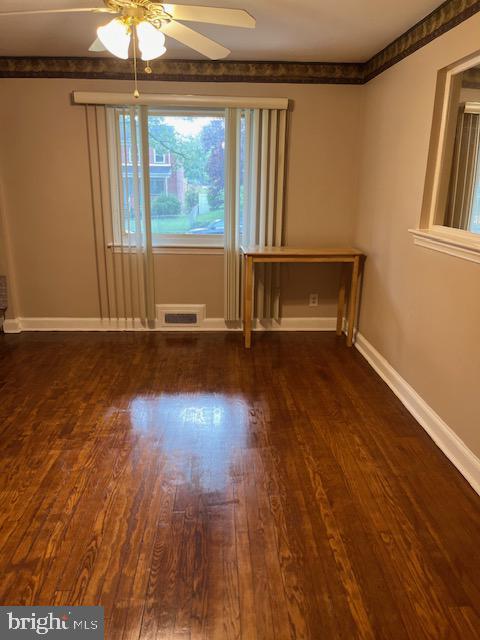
313,300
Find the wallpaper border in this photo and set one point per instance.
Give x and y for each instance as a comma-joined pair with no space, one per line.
445,17
184,71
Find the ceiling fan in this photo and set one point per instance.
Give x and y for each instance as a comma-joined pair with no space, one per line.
144,23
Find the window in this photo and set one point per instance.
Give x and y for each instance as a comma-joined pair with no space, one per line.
185,173
159,157
450,219
462,210
229,154
158,186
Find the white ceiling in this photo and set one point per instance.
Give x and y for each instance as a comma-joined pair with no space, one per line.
321,30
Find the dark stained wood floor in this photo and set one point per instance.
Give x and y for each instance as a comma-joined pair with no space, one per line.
199,491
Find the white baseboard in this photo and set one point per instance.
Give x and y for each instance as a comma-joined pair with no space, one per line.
12,326
444,437
209,324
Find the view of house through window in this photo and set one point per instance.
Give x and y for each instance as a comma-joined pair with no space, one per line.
187,173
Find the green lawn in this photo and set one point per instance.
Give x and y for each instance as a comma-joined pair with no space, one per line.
182,224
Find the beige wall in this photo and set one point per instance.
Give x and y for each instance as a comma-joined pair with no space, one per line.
421,308
6,259
45,174
3,257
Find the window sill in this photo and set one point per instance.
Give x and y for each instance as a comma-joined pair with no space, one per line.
172,251
459,244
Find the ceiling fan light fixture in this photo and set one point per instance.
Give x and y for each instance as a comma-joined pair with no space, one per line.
151,40
115,36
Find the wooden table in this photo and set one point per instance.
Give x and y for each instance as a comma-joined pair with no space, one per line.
254,255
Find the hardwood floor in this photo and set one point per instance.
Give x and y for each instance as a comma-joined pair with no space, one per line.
197,490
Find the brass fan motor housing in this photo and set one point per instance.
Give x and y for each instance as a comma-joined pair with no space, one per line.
136,10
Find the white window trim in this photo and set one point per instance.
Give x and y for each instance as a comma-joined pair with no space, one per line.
171,250
163,162
182,240
455,242
187,240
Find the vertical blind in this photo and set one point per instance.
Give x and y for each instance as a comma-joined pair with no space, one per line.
120,182
256,159
464,171
120,185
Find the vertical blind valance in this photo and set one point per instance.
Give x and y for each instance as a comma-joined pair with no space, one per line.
169,100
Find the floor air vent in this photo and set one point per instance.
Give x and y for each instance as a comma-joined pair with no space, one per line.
176,316
181,318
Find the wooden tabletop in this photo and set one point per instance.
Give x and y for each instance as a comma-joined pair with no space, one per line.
296,251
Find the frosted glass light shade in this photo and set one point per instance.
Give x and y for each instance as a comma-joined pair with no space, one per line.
151,41
115,36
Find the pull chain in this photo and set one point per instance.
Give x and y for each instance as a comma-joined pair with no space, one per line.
136,93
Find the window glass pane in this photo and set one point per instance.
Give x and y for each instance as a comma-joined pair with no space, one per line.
474,222
187,173
132,197
462,209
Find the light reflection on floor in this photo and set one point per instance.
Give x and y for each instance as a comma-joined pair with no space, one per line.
200,434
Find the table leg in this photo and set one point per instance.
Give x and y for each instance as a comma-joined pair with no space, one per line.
352,305
341,300
248,301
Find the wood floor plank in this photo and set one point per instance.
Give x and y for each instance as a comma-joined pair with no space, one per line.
264,582
198,491
246,583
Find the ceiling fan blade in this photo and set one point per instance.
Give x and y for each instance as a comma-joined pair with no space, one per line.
195,40
39,11
96,46
227,17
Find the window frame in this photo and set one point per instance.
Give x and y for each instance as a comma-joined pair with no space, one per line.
184,242
156,162
431,233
